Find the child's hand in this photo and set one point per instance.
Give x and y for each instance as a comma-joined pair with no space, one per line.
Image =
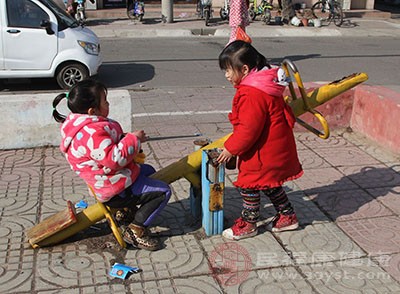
225,156
141,135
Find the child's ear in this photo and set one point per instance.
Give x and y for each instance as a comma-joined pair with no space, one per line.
91,111
245,70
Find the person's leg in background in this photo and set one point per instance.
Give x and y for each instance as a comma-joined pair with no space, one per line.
238,17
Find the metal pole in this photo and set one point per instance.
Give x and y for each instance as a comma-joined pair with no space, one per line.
167,12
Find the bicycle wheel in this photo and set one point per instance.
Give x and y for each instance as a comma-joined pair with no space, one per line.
321,10
252,13
207,16
337,14
267,16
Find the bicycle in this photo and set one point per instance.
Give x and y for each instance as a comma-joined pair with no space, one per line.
263,9
204,10
328,11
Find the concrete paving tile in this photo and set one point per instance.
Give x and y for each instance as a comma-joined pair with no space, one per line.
349,276
16,270
307,212
372,176
173,220
70,266
311,159
214,131
196,285
324,179
20,190
334,141
20,178
176,128
319,243
390,263
375,235
349,204
277,280
53,156
171,148
371,147
20,158
60,175
55,198
182,256
261,251
389,197
61,291
345,156
108,288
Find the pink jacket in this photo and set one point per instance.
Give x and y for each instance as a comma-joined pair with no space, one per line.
100,154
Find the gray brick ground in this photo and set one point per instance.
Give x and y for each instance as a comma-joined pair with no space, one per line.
347,204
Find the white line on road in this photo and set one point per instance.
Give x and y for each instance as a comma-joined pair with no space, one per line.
176,113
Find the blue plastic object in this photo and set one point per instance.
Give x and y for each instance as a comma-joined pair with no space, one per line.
81,204
212,220
120,271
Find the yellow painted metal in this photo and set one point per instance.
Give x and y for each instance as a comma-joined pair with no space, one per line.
115,229
110,219
188,167
289,67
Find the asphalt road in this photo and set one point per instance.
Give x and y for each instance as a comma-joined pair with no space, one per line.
180,62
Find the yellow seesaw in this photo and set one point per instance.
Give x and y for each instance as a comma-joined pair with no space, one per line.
65,224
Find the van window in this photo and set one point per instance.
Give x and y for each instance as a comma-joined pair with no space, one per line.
25,14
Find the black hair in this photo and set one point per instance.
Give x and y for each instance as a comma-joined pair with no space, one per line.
239,53
82,96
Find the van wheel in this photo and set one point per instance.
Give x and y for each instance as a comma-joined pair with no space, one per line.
70,74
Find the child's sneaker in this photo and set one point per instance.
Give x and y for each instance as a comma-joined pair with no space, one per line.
283,222
240,230
138,237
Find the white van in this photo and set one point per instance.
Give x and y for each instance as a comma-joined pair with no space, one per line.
38,39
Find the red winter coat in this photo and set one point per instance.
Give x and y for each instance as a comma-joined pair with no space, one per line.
262,135
100,154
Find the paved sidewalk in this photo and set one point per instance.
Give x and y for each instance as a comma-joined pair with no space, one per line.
114,23
347,202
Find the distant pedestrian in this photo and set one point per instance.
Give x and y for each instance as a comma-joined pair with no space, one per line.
238,17
262,139
288,11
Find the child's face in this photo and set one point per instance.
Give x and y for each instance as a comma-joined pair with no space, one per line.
104,106
235,76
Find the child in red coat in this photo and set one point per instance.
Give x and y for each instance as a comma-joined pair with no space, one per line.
262,138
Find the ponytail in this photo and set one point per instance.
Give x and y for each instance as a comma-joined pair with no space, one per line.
60,118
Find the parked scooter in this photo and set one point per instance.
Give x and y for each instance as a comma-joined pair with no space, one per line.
80,14
135,9
224,11
76,8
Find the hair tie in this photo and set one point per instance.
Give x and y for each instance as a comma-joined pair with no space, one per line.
66,95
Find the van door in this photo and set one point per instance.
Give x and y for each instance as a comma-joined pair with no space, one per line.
26,45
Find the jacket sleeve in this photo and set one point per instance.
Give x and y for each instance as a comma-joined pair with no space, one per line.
113,155
249,118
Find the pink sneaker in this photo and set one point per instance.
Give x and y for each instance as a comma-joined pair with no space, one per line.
240,230
283,222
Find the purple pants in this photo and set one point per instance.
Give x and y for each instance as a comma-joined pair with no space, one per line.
149,194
